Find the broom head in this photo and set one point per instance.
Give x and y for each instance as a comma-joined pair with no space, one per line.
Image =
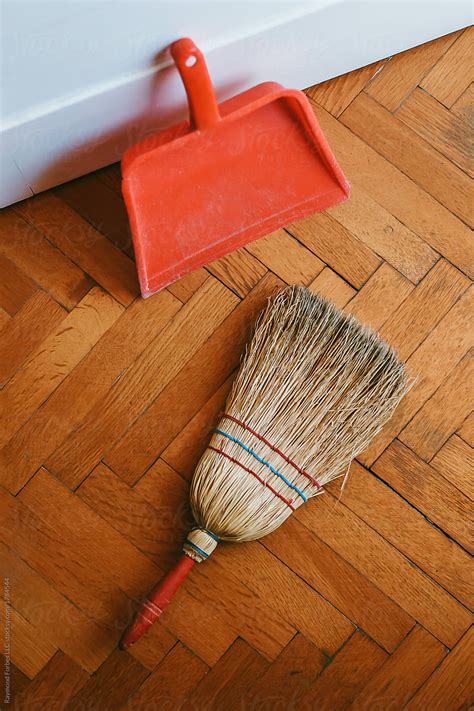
313,389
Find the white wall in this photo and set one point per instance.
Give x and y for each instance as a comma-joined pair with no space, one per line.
83,80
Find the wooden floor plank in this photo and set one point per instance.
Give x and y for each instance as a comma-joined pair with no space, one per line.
330,575
399,195
336,246
463,106
394,683
16,288
41,261
184,452
112,685
161,482
332,287
23,334
451,686
156,531
101,206
56,620
54,686
380,296
75,550
283,684
431,493
442,129
349,672
4,318
84,245
384,566
451,75
409,531
443,413
152,648
335,95
111,176
171,683
143,382
385,235
204,632
54,359
412,154
300,265
15,684
229,680
240,271
249,615
28,650
432,299
430,364
404,71
288,595
466,431
455,461
79,556
185,287
92,378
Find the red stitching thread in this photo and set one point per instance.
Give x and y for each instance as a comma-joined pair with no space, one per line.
235,461
275,449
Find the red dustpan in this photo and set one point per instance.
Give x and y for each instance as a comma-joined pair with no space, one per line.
235,172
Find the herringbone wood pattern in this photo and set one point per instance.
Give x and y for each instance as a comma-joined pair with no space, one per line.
108,401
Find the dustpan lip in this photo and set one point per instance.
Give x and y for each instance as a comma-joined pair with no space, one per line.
151,283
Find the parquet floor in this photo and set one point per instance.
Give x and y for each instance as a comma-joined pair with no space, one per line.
108,400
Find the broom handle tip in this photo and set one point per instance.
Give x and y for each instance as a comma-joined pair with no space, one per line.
152,607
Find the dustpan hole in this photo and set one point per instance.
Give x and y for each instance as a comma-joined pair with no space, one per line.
191,60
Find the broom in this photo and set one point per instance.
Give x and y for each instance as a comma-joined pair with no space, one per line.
313,389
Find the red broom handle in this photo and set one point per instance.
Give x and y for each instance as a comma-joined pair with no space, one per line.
155,603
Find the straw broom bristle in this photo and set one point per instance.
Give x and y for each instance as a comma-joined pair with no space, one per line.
313,389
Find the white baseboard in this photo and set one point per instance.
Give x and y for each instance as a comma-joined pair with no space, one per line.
64,138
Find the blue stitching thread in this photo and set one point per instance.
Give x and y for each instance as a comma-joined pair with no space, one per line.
262,461
196,548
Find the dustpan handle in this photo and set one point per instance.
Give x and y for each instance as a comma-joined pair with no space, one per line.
191,65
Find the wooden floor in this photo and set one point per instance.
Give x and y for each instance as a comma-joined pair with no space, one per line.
109,400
